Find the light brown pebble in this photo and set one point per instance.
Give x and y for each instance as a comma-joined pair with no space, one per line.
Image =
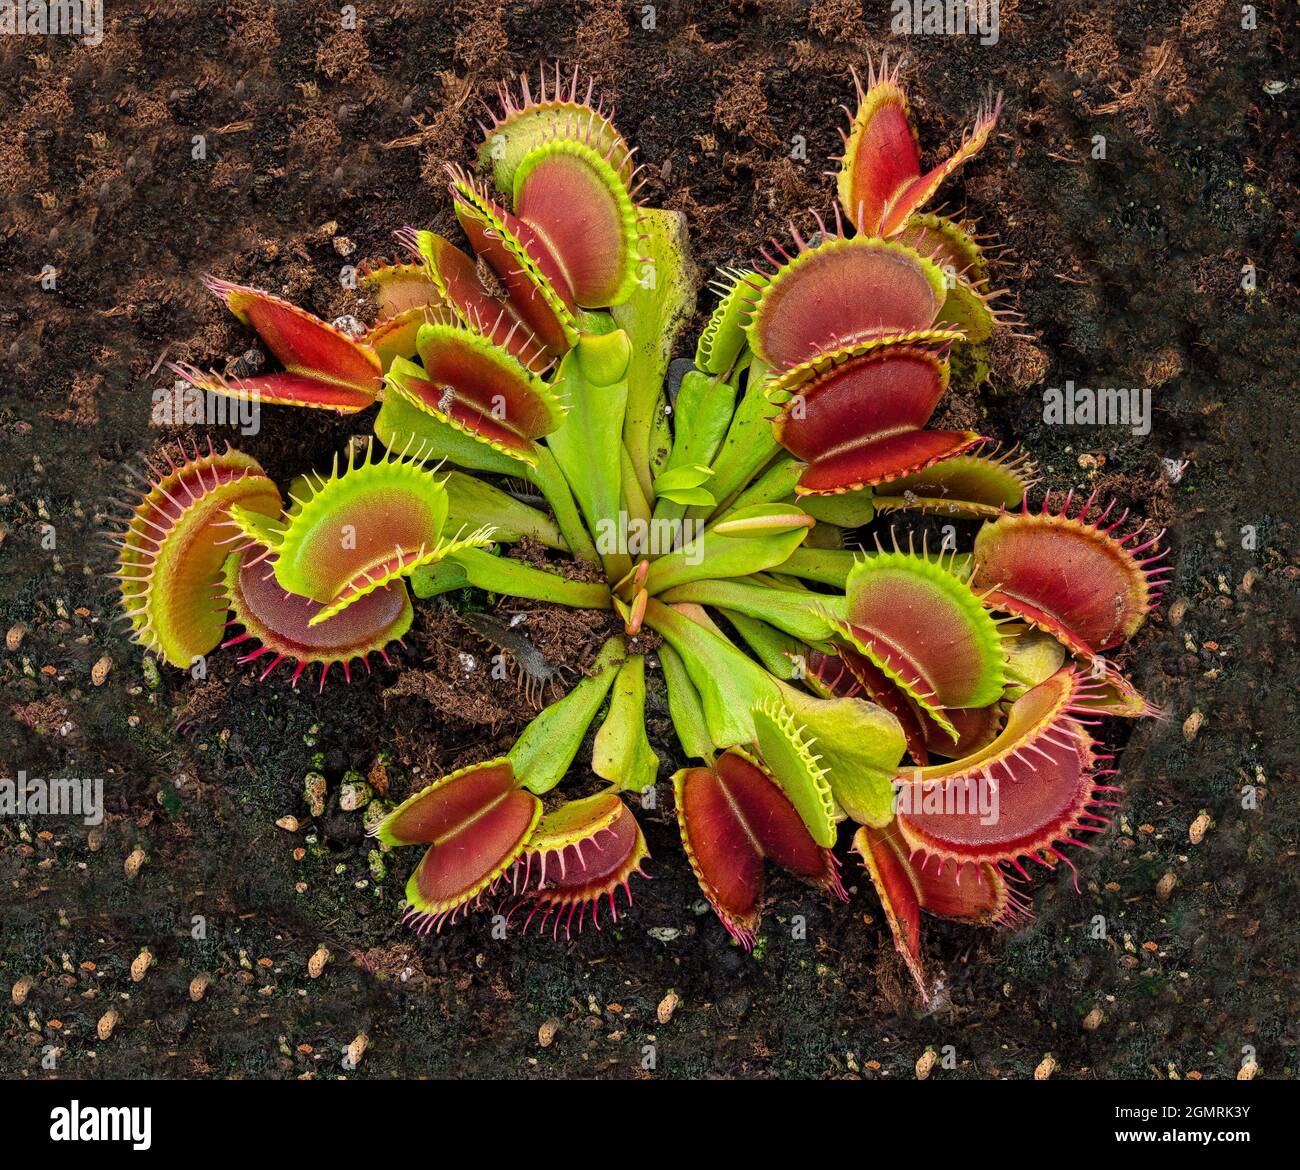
21,990
929,1058
316,964
1192,724
1197,829
313,792
288,824
357,1049
353,795
99,672
1248,1071
1046,1067
14,638
1165,886
1178,611
107,1022
667,1005
1092,1021
140,965
547,1032
134,863
199,986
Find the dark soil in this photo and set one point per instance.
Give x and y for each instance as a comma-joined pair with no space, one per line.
321,141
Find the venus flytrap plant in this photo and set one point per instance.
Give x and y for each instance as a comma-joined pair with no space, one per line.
944,703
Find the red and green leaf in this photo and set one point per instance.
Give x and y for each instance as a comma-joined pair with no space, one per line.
401,425
458,281
398,288
1070,575
872,462
532,276
574,200
560,109
980,484
859,421
477,823
967,305
173,544
732,817
582,852
325,368
888,390
921,624
430,413
483,389
362,529
283,626
881,150
842,291
913,195
1022,795
881,183
908,882
885,860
